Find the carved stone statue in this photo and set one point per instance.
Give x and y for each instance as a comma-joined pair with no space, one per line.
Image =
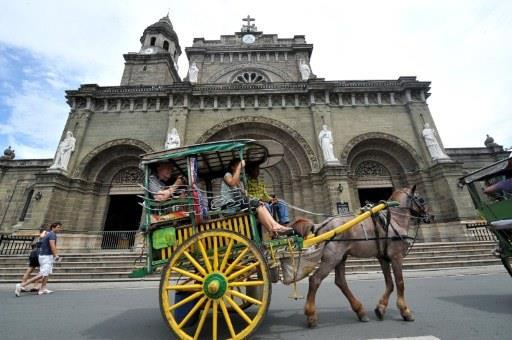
8,154
325,139
173,140
489,142
435,150
193,72
66,147
305,71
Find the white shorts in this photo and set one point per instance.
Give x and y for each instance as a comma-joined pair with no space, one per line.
45,265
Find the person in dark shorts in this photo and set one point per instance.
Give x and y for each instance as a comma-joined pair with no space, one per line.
33,260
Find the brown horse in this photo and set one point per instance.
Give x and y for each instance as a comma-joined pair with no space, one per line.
374,237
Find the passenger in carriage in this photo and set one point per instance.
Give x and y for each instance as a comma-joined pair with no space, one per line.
502,189
161,190
233,193
256,189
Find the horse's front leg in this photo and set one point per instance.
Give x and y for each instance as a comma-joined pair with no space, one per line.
341,282
380,310
314,282
396,264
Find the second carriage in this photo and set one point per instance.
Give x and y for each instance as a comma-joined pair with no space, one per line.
214,259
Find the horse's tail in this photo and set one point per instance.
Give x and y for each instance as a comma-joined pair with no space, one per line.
302,226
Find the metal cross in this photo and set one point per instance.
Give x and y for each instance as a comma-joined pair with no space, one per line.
249,26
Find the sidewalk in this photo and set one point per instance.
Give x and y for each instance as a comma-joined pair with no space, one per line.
370,276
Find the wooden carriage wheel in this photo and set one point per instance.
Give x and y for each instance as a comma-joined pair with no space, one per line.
209,268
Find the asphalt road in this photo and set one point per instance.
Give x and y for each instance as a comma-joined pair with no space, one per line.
453,305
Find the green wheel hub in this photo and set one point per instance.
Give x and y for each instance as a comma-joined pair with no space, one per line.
215,285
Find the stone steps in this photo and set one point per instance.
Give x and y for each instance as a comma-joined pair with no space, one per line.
80,266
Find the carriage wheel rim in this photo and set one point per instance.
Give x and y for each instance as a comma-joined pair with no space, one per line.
213,282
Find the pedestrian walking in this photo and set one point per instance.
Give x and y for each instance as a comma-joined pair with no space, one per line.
33,259
48,253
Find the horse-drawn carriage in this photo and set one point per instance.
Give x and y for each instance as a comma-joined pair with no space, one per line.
491,191
216,266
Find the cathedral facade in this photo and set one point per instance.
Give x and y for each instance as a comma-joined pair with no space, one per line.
246,85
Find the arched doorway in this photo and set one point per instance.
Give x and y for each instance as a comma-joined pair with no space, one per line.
113,168
291,178
379,163
124,210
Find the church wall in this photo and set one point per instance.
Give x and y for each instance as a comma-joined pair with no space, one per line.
17,179
149,127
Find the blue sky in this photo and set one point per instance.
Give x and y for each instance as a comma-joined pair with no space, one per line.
47,47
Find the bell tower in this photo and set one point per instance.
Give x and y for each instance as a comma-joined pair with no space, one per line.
156,61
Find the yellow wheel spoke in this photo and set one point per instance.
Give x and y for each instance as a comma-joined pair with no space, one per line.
184,272
184,287
184,301
214,320
238,309
246,283
227,255
227,318
192,312
243,270
203,318
215,255
195,263
244,297
238,259
205,256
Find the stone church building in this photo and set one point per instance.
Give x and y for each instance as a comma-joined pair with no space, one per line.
246,85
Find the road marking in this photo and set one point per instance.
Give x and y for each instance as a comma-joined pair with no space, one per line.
426,337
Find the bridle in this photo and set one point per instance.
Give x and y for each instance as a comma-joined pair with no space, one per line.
416,206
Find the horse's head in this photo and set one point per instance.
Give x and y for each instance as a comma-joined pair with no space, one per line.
411,200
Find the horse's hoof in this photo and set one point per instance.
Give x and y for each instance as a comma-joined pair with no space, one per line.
408,317
363,318
379,314
312,323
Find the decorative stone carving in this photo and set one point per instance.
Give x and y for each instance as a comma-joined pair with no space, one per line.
326,143
131,175
370,169
116,142
305,71
249,77
489,143
435,150
63,155
193,72
8,154
173,140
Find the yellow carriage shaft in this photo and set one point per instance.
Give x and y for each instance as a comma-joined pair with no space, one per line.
346,226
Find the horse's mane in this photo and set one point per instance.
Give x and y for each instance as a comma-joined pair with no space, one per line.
302,226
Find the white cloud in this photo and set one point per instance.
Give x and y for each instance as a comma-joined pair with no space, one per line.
36,117
462,47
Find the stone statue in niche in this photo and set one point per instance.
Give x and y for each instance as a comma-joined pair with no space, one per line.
8,154
193,72
305,71
173,140
326,143
63,155
435,150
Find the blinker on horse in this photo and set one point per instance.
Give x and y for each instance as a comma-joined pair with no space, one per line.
384,237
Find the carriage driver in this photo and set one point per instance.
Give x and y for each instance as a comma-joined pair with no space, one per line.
161,191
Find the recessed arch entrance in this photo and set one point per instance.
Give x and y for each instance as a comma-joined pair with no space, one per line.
115,172
291,178
377,164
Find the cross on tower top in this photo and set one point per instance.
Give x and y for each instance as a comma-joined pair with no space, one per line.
249,27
